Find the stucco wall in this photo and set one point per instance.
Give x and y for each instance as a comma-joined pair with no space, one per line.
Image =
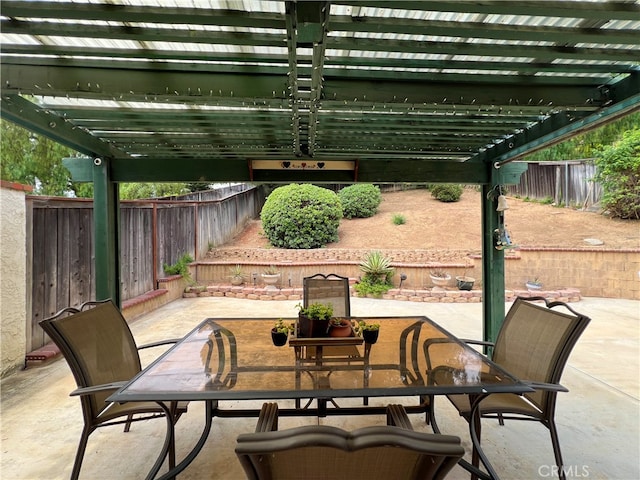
13,267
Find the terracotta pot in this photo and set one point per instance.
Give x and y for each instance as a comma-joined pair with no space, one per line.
342,330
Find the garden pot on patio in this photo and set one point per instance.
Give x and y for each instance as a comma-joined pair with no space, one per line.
465,283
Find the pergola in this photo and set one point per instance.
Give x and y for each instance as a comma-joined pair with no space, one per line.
286,91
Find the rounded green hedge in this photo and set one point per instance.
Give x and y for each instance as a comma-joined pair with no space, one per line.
360,200
301,216
446,192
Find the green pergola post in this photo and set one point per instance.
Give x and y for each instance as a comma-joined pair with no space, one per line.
106,224
492,268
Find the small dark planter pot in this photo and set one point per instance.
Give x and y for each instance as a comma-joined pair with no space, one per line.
279,339
465,283
311,327
370,336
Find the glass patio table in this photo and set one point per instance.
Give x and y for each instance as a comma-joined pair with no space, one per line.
235,359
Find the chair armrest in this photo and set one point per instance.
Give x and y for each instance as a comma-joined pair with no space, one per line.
551,387
105,387
478,342
397,416
268,419
159,343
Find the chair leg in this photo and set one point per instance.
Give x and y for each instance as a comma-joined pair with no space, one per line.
127,426
82,446
475,458
430,415
556,449
427,402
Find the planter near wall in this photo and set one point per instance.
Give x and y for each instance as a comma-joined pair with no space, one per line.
465,283
271,281
440,281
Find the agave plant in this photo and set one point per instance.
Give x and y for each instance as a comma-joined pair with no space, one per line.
376,266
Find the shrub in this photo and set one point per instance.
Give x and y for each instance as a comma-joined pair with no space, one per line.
446,192
301,216
181,267
377,275
398,219
619,172
360,201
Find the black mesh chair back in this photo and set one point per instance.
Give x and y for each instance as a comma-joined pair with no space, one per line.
328,289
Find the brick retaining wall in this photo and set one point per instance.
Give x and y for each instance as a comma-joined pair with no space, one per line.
431,295
594,271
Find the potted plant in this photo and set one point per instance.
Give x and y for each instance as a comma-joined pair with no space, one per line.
464,282
271,276
340,327
280,333
439,277
534,284
237,275
368,331
313,321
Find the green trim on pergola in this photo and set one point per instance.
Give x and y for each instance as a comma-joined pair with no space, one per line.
403,91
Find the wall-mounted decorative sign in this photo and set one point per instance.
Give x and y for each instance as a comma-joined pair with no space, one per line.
302,165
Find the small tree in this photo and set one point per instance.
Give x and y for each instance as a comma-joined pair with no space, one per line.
619,173
301,216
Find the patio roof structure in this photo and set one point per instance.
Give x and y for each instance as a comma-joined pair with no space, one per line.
343,91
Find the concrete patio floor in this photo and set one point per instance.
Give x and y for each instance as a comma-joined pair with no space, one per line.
598,420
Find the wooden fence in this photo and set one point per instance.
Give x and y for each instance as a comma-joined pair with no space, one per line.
153,233
568,183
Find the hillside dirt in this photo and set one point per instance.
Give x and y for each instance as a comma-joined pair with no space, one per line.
434,225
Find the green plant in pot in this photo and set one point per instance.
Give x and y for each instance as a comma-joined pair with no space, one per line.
439,277
280,333
340,327
237,275
368,331
271,276
313,320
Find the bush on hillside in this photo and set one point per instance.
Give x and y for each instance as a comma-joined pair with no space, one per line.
446,192
360,200
301,216
619,172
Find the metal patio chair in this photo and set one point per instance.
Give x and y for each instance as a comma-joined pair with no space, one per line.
533,344
323,452
334,290
99,347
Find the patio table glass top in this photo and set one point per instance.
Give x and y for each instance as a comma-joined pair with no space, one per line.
235,359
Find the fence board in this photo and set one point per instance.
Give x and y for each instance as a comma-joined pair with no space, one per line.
569,183
38,279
